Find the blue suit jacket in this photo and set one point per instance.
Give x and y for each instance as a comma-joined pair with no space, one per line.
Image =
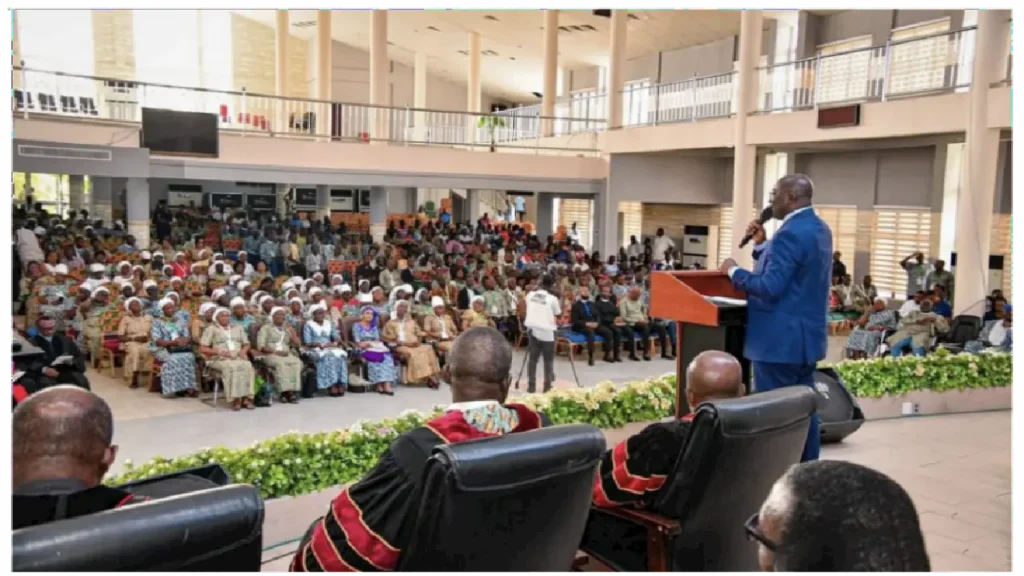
787,293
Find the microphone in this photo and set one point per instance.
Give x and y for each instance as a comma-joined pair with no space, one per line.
766,215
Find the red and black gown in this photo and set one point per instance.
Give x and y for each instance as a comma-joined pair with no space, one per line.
370,522
631,474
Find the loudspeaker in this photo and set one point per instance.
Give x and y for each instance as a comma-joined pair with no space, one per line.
838,410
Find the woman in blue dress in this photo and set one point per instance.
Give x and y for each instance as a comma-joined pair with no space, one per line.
240,315
295,316
170,344
320,336
379,362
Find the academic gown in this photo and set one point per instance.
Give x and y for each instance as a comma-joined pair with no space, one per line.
371,522
73,373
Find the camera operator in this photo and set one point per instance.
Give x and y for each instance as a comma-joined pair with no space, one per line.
542,309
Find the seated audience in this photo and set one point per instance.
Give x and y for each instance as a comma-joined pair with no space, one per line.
404,335
586,320
62,448
916,330
134,331
632,473
995,335
380,365
634,313
369,523
940,305
836,516
322,341
439,326
226,348
170,345
62,361
608,317
998,310
866,336
912,304
277,342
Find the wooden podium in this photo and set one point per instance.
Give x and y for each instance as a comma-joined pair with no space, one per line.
700,324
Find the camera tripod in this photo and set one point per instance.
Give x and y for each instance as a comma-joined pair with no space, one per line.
526,358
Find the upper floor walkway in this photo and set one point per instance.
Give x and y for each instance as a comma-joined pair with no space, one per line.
911,87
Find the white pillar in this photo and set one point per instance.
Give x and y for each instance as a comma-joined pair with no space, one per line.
745,157
419,96
378,213
379,76
323,71
323,202
137,210
281,190
616,68
102,200
547,106
975,202
545,216
280,68
473,210
473,86
77,199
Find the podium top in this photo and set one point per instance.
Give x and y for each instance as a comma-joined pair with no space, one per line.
682,295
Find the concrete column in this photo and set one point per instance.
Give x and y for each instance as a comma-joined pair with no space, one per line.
547,106
378,213
545,216
745,159
473,87
379,76
282,192
531,209
102,200
77,198
473,211
137,210
323,202
419,96
323,70
280,67
975,203
616,68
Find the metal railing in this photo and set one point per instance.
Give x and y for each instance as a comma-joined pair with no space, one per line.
246,113
698,98
573,115
927,64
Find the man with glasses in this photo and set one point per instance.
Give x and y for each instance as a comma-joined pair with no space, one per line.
633,472
835,516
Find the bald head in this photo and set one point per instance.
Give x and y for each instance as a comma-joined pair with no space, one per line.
62,432
792,192
713,375
479,365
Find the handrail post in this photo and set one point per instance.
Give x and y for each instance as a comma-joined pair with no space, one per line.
885,68
817,82
24,89
408,125
693,100
243,119
536,141
657,103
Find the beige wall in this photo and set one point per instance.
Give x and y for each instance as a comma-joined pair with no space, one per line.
253,57
816,30
113,44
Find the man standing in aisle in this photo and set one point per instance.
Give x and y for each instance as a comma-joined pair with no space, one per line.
787,295
542,309
661,244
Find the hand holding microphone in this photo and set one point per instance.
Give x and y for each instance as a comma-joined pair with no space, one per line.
755,231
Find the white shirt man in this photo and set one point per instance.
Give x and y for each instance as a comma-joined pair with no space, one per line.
541,311
909,306
660,245
28,245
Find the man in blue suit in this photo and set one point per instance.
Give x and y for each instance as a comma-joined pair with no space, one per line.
787,295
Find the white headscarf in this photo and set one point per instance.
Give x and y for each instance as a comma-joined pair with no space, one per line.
476,299
299,300
233,279
146,284
129,301
220,311
206,307
365,298
346,288
60,269
255,300
99,289
97,268
216,294
277,309
164,302
396,290
263,299
243,285
237,301
436,301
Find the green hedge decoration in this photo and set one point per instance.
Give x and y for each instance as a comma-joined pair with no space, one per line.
293,464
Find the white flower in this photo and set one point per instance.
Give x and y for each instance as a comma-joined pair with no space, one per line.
128,462
298,461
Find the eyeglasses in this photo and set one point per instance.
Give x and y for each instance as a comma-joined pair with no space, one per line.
753,529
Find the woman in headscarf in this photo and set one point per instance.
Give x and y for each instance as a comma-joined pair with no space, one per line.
476,315
320,337
380,303
316,297
400,292
421,303
405,335
169,343
277,341
138,274
295,314
240,315
203,319
866,337
124,272
226,348
92,312
380,366
439,325
134,331
179,267
266,304
27,295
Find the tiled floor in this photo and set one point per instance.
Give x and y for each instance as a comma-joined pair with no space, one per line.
956,467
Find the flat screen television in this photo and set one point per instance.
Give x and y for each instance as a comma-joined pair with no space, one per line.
180,133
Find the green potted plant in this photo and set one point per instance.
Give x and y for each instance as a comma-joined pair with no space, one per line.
492,123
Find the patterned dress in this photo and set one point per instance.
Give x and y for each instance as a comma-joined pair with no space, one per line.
287,369
420,360
295,320
331,367
178,370
865,340
136,353
245,323
377,372
236,374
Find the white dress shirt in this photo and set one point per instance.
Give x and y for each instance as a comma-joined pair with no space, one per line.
733,269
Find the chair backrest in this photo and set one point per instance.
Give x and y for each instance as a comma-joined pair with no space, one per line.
346,328
516,502
735,451
964,329
220,529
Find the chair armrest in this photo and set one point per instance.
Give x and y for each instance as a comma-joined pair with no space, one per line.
649,520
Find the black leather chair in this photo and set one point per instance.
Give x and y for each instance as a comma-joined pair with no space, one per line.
513,503
214,530
962,330
735,451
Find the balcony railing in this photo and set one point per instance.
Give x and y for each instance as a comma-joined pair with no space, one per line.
245,113
690,100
